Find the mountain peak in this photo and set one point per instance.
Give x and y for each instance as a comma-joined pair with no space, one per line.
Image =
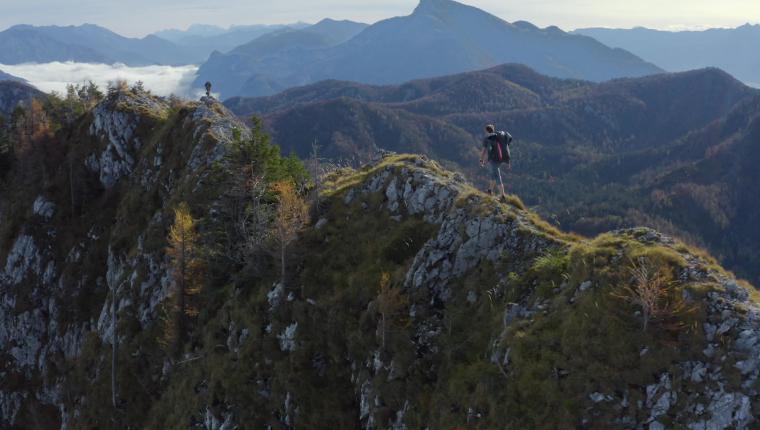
433,7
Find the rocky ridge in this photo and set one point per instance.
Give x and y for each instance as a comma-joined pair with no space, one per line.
492,305
705,396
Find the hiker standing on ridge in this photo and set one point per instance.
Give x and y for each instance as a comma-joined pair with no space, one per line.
496,148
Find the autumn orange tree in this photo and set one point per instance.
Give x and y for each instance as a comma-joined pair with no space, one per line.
187,273
291,214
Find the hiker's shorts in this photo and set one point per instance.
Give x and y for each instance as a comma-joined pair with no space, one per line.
496,172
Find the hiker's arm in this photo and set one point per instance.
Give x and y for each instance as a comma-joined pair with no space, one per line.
483,155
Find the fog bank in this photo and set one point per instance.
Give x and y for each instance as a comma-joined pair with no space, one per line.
161,80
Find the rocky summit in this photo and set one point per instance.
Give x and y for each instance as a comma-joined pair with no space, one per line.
408,299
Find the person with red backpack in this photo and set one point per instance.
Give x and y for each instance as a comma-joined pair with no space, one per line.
496,148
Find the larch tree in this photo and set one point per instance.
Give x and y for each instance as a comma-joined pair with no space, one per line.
291,214
187,273
653,290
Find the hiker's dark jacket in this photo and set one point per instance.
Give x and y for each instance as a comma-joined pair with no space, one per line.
488,144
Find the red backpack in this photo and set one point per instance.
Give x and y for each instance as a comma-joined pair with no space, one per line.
500,142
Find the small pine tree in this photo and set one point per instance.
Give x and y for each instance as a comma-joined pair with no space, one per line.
90,94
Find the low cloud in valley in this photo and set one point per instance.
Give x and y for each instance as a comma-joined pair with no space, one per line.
161,80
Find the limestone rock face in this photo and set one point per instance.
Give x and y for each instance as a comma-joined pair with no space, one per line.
466,238
43,207
116,126
213,123
58,277
23,259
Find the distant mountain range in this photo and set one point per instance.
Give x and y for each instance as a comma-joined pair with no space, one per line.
202,40
233,73
440,37
86,43
93,44
592,156
734,50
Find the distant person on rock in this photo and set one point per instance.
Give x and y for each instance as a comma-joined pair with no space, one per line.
496,148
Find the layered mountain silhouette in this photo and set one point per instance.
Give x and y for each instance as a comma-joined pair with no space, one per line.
86,43
591,156
233,73
202,40
440,37
732,49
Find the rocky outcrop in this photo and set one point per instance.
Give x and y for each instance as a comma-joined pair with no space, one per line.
59,277
115,121
213,123
455,252
43,207
23,259
471,233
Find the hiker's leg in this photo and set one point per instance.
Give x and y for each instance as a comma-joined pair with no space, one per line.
501,185
496,172
491,184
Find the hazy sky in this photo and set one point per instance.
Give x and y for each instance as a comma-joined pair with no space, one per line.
140,17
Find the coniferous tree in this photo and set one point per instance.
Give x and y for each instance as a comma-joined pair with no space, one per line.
291,214
187,273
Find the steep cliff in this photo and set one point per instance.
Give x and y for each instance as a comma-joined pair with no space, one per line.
91,224
412,301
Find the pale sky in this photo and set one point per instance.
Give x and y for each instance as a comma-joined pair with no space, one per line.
140,17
